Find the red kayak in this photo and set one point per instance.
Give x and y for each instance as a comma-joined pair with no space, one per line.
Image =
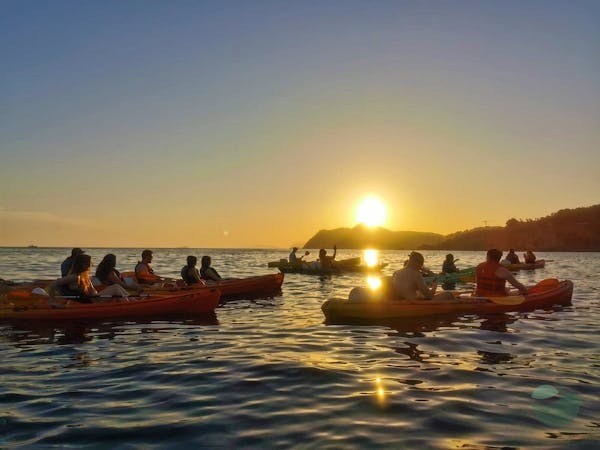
546,294
251,287
30,306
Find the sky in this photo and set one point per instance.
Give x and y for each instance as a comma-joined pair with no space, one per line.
257,123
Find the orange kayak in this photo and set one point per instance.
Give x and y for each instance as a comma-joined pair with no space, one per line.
338,309
251,287
37,307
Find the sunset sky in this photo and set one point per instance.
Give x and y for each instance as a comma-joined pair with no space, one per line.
257,123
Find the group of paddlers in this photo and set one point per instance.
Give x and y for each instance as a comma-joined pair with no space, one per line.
76,281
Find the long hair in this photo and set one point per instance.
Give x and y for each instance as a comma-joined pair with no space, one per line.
106,266
81,263
206,261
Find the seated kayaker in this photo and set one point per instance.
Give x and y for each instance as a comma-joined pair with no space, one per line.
78,285
295,259
68,262
207,272
513,257
190,273
408,283
143,270
491,277
529,257
108,275
448,266
327,262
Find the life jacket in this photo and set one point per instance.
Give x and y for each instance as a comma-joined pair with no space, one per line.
488,284
145,277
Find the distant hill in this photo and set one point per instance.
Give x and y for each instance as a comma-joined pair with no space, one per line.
361,237
565,230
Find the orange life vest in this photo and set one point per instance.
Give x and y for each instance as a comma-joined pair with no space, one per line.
145,277
488,284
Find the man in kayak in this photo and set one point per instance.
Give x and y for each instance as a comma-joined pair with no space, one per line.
143,270
513,257
491,277
408,282
65,267
294,259
326,262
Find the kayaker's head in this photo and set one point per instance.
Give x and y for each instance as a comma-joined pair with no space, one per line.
450,257
494,255
147,256
512,250
205,261
191,261
76,251
322,253
416,260
81,263
110,260
295,249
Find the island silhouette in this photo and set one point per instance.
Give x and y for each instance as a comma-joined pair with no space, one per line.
565,230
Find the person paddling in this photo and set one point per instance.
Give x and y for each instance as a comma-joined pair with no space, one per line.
143,270
491,277
408,283
529,257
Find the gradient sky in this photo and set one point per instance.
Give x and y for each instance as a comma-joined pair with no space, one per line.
257,123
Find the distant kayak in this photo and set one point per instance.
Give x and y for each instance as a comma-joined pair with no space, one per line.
339,263
30,306
523,266
546,294
311,269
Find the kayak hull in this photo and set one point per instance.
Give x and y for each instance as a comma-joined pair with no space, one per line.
463,276
522,266
192,302
251,287
337,270
338,310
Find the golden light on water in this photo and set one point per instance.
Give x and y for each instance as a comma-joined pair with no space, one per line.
371,257
379,391
371,211
374,282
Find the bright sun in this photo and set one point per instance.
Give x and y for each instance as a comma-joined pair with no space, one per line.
371,211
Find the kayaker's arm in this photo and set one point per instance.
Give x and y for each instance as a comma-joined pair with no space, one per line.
503,272
424,290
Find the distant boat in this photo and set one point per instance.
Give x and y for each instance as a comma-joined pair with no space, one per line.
32,246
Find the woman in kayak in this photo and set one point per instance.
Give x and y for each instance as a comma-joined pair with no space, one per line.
78,285
189,272
529,257
448,266
207,272
108,275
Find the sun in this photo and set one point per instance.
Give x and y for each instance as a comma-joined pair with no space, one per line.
371,211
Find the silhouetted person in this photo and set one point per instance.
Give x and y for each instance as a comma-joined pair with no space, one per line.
143,270
190,273
491,277
67,263
207,272
513,257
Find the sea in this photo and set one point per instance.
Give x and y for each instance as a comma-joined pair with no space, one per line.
270,373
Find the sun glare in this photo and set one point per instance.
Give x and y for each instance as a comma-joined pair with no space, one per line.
371,211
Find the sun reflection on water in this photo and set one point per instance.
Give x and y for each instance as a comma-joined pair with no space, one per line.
371,257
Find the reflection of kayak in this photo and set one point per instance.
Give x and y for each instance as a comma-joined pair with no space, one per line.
464,276
348,262
545,294
523,266
310,269
29,306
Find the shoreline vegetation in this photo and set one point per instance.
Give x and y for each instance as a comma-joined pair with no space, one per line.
565,230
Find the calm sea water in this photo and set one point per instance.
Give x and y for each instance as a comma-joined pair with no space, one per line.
270,374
